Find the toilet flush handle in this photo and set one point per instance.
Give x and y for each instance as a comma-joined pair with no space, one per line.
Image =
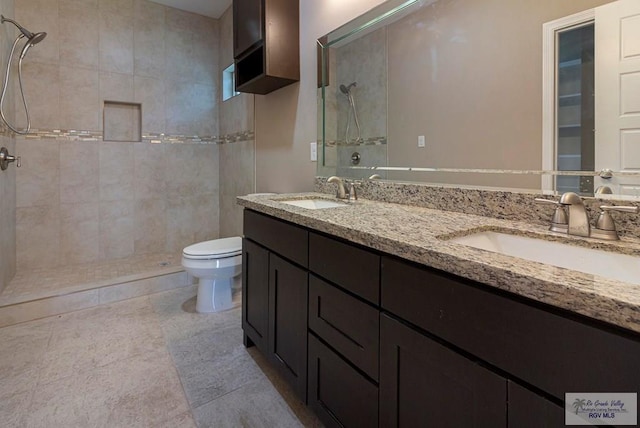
6,159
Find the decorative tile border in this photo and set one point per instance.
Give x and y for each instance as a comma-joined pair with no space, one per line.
373,141
154,138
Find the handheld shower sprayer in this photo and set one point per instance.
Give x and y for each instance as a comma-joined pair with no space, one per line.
32,39
346,90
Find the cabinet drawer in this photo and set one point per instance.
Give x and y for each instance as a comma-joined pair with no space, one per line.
350,267
557,354
349,325
340,396
286,239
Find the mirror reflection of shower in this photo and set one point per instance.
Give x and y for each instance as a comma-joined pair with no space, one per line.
32,39
346,90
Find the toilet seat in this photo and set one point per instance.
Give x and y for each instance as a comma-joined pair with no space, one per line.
214,249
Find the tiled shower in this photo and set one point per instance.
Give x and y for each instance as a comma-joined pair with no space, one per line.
80,198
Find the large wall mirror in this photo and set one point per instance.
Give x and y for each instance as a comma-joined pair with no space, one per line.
452,92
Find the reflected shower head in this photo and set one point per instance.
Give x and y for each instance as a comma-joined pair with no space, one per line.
347,89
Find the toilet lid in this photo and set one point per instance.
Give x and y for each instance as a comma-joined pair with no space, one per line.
225,247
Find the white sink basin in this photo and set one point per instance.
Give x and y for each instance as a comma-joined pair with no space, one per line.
607,264
314,204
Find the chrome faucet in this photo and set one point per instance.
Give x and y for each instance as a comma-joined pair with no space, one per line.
344,190
578,223
341,192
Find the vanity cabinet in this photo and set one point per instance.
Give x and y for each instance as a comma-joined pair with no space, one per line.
530,410
344,318
265,44
387,342
424,383
274,290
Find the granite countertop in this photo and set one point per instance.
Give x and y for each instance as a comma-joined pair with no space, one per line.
420,235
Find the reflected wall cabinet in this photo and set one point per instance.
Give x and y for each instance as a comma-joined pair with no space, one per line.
266,45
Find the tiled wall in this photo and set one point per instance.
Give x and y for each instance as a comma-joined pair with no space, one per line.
83,199
7,177
362,61
121,50
237,160
80,201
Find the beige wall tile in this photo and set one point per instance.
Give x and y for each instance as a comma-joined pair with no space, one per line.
79,180
41,83
116,42
150,164
149,34
40,16
121,7
79,34
7,218
236,179
191,109
116,171
191,44
79,233
116,229
191,219
151,94
38,181
207,217
116,87
150,226
38,237
79,99
191,169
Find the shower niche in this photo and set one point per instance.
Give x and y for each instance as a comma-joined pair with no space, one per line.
122,121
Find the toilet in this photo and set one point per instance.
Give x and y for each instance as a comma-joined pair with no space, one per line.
217,264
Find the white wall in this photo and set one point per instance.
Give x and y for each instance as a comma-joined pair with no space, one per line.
285,120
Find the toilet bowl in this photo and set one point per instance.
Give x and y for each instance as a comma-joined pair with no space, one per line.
217,264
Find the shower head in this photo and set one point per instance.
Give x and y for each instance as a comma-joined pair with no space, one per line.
28,34
33,40
347,89
37,38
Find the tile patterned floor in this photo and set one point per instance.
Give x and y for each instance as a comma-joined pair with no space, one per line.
151,361
35,284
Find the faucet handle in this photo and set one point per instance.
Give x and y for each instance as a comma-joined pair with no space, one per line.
621,208
353,194
559,222
605,226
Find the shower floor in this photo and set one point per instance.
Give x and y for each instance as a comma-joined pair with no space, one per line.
74,287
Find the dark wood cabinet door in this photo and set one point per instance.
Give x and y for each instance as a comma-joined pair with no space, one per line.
255,294
288,321
529,410
338,393
247,24
425,384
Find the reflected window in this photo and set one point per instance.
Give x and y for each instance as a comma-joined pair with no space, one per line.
575,107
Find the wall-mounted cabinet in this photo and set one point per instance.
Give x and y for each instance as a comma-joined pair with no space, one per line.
266,44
